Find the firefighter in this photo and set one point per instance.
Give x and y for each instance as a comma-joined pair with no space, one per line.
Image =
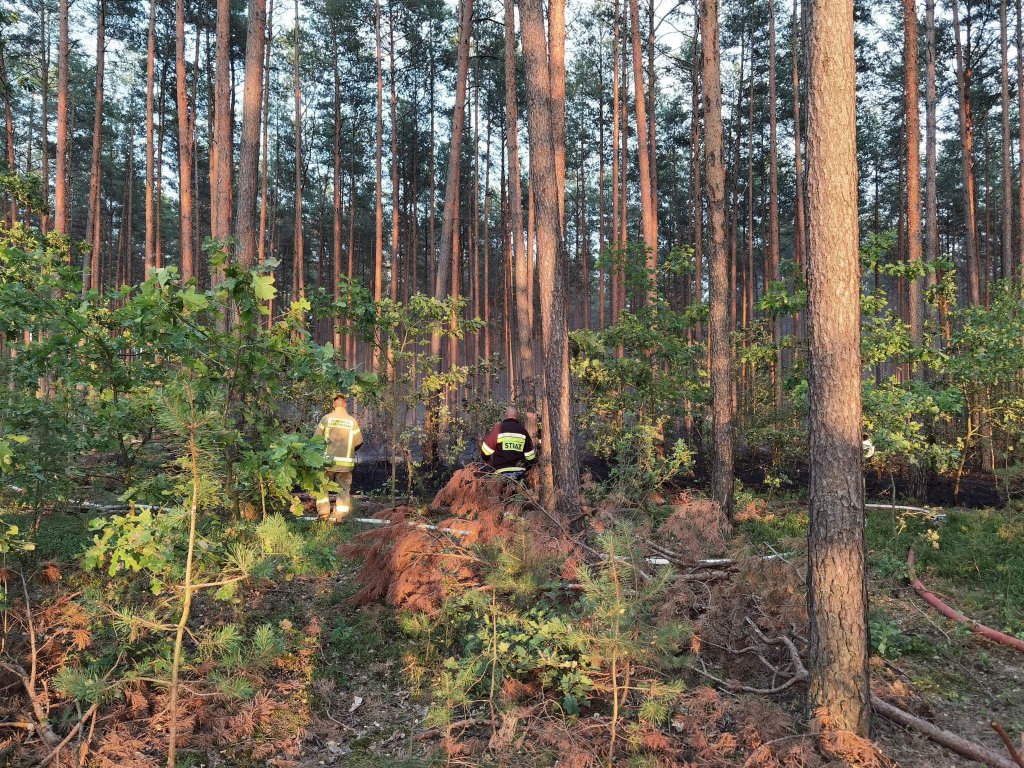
508,448
341,431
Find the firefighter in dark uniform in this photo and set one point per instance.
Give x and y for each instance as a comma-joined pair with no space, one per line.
508,448
341,432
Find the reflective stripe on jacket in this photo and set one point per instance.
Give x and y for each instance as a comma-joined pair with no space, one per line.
343,437
508,446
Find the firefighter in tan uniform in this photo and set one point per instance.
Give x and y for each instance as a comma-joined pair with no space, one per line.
341,431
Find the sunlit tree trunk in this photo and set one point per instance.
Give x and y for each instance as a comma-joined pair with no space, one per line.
91,277
44,98
718,269
336,211
837,591
799,220
5,86
912,95
298,253
1020,144
542,106
221,151
967,157
1007,168
246,220
931,239
520,257
150,245
697,214
185,131
449,223
774,272
62,221
617,201
392,74
648,205
261,244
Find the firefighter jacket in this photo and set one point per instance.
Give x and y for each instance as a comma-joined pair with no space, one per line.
343,437
508,447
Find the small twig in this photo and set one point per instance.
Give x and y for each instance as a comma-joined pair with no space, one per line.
71,734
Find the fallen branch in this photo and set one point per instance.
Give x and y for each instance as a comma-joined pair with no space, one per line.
1014,752
71,734
951,741
935,602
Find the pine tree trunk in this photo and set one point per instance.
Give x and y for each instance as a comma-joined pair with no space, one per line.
185,139
963,88
520,256
648,205
5,86
837,592
1020,143
449,223
221,151
912,96
774,273
150,246
91,277
1007,168
697,214
261,244
799,219
62,220
44,98
336,210
394,151
543,106
718,269
246,220
617,236
299,250
931,240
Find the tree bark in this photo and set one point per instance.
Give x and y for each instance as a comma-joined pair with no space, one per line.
186,123
394,151
648,205
524,311
150,245
963,88
246,221
62,220
44,98
91,277
261,245
931,148
718,269
221,151
774,271
298,252
336,210
543,105
451,193
837,592
1020,143
1007,168
912,96
9,140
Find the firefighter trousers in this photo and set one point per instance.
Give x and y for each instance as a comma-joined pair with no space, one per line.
343,498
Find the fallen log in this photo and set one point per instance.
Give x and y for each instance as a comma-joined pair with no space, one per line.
935,602
951,741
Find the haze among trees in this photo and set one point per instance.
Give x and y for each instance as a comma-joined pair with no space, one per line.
725,256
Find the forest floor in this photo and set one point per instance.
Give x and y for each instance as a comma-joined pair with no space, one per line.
364,706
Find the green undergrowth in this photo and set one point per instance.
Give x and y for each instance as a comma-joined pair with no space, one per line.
976,557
